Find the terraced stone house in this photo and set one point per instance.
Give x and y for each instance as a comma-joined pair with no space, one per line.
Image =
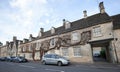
79,41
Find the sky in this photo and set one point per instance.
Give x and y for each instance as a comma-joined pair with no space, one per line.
21,18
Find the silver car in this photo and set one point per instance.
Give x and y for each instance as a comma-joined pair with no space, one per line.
54,59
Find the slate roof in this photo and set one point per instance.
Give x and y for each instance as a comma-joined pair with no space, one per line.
116,21
80,24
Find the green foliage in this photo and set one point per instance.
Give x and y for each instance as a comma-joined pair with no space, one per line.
102,53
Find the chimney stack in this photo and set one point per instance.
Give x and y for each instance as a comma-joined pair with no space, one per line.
85,13
101,7
7,43
1,44
41,29
14,38
31,35
64,22
41,32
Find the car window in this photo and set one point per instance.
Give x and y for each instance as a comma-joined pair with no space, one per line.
53,56
47,56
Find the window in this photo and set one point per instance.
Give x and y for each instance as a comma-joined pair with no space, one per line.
40,34
67,25
52,30
21,49
30,55
37,55
52,51
76,51
27,47
38,46
52,42
97,31
47,56
30,48
65,52
75,36
24,49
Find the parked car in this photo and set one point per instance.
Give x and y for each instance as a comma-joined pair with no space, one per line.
2,58
10,58
55,59
96,55
19,59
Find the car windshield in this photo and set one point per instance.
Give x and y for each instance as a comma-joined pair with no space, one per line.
60,56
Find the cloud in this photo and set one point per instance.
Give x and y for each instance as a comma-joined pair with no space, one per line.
24,17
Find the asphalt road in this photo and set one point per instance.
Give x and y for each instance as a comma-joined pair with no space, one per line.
38,67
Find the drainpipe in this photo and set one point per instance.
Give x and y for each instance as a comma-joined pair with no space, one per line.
115,50
115,39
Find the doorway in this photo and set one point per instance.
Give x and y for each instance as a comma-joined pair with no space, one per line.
101,52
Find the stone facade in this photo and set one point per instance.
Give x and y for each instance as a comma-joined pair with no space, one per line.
74,40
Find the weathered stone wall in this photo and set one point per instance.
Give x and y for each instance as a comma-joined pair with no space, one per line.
116,43
106,30
3,52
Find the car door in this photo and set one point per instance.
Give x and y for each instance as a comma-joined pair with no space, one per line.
53,59
48,59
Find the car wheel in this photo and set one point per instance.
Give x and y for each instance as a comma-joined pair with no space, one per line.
44,62
59,63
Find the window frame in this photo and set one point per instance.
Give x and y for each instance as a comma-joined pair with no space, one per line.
96,31
52,42
78,53
67,25
75,36
65,54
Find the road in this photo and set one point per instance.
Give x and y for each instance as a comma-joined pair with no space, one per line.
38,67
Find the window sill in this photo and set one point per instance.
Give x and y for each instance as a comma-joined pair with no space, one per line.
77,56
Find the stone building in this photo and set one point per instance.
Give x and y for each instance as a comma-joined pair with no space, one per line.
75,40
10,49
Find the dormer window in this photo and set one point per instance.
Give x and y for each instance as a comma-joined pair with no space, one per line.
52,30
40,34
25,40
67,24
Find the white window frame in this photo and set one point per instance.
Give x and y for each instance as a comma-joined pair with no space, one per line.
75,36
67,25
97,31
52,42
52,30
65,52
77,51
38,46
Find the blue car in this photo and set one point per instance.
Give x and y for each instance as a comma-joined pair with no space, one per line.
20,59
